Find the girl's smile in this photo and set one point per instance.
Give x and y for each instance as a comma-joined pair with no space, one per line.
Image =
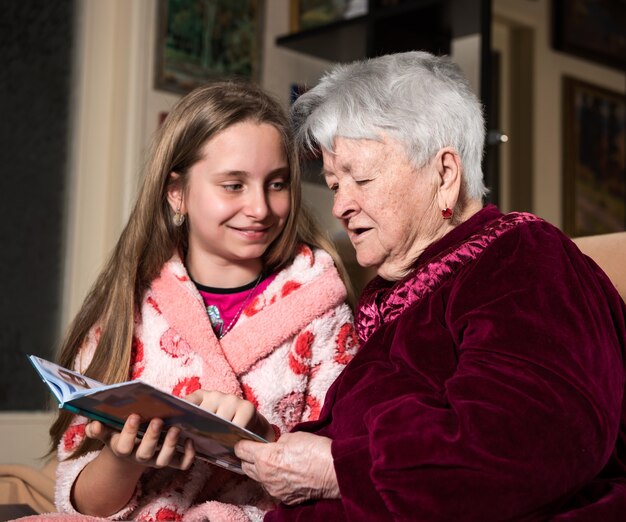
255,234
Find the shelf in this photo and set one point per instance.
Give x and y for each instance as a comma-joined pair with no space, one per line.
341,41
410,25
403,8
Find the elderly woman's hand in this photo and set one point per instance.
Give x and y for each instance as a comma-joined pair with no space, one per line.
298,467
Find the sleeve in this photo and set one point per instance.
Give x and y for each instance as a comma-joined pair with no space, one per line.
532,411
68,468
333,345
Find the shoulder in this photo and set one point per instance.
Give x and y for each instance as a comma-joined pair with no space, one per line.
308,264
171,293
518,234
311,279
172,277
523,250
526,235
173,268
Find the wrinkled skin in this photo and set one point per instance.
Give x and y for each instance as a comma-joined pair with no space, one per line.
296,468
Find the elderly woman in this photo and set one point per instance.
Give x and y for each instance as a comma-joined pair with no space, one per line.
490,381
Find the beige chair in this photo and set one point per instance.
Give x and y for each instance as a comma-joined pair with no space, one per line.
20,484
609,251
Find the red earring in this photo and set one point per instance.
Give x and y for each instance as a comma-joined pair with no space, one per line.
446,213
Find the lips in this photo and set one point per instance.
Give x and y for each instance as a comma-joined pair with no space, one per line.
354,233
253,233
251,229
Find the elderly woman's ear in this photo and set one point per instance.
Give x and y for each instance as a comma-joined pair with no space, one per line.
447,164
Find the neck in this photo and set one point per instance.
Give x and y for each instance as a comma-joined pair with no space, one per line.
397,270
471,207
222,274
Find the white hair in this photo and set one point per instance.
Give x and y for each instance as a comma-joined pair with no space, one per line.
419,99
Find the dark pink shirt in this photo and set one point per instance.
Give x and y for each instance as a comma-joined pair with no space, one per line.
225,305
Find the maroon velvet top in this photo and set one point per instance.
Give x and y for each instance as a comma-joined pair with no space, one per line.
489,386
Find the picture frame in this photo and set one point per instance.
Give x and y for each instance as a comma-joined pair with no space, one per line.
591,30
594,159
203,40
307,14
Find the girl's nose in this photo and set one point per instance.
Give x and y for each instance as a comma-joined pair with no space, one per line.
257,205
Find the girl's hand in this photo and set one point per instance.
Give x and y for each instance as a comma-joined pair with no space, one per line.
236,410
147,451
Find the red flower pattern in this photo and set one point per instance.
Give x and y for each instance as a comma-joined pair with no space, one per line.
248,394
254,307
300,357
73,436
173,344
153,304
314,407
138,363
168,514
346,344
288,287
306,251
186,386
289,408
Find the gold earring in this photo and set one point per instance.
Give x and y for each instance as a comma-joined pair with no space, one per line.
178,219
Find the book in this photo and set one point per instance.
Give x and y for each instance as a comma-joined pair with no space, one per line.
214,438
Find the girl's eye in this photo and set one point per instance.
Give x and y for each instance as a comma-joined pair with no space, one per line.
278,185
233,187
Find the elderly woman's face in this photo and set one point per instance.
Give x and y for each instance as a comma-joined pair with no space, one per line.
387,206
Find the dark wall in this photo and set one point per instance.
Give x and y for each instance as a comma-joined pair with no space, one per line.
36,44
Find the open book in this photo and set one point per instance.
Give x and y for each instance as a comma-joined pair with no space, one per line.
213,437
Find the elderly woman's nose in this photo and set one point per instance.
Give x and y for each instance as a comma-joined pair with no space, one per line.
344,204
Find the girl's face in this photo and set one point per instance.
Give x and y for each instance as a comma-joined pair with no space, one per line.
236,201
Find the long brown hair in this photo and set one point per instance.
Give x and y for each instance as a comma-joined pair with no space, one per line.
150,238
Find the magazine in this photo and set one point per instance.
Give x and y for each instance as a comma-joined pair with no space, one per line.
213,437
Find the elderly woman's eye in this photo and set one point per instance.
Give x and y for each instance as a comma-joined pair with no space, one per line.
334,187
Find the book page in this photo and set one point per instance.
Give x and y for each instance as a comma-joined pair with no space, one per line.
63,383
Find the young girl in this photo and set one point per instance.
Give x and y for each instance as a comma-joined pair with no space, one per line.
220,281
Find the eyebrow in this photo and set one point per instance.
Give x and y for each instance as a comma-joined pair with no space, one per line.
244,173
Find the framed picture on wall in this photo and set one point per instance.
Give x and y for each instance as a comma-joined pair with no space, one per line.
201,40
306,14
594,159
591,29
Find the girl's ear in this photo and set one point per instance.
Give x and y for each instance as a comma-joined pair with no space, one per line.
175,193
